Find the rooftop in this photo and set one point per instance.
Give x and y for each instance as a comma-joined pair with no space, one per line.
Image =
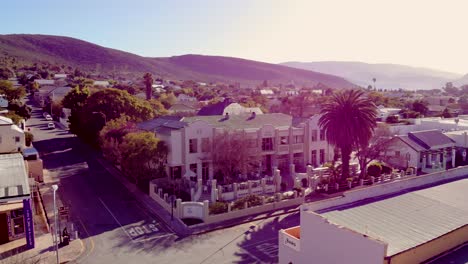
13,176
408,220
431,138
243,121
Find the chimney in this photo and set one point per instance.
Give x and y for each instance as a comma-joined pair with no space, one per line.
226,116
253,115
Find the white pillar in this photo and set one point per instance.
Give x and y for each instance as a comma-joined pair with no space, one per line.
453,157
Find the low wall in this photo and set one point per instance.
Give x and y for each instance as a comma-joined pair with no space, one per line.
36,170
388,188
254,210
154,194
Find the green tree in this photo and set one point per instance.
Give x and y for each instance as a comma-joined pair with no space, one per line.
148,80
29,138
75,100
106,105
167,99
14,117
349,120
11,92
144,155
231,155
420,106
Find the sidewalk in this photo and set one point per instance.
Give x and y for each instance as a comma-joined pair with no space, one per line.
44,252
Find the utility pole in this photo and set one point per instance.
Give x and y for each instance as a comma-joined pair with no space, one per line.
55,188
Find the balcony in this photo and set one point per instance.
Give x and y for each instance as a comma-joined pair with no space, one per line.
283,149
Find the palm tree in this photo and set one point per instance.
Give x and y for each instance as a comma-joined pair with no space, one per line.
374,80
349,121
148,80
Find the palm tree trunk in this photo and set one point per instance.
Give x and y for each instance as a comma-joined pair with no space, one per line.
345,157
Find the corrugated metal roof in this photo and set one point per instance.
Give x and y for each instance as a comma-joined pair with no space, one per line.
410,219
13,176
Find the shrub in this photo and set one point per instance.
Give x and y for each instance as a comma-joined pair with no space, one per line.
386,169
374,169
218,208
252,200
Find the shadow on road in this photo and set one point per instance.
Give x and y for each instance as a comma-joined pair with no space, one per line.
261,242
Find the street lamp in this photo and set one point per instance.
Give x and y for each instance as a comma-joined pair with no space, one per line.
55,188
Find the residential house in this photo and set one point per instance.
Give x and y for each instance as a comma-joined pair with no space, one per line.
227,107
44,82
11,136
182,108
186,99
279,139
384,112
101,83
60,76
439,100
428,151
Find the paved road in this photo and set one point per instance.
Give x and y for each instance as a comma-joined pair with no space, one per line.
117,229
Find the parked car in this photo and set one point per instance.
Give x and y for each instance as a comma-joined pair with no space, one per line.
48,118
45,114
51,125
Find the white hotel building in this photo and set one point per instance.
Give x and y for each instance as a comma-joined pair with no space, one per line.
280,140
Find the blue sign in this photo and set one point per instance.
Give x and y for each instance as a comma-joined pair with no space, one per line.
28,223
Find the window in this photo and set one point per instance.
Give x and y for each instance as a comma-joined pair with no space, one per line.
322,156
193,145
299,139
267,144
17,221
205,145
314,158
322,135
284,140
205,171
193,167
17,139
0,139
176,172
314,135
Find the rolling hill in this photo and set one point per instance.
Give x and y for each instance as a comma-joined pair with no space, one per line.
388,76
88,56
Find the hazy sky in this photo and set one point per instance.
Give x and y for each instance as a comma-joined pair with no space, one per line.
430,33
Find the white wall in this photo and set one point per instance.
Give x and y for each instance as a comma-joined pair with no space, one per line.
8,133
404,149
325,243
198,130
393,187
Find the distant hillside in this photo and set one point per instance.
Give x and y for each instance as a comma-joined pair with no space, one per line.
388,76
461,81
92,57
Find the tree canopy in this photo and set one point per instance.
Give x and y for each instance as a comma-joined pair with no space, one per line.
349,120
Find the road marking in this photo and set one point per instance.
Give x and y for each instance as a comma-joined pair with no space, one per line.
260,242
89,236
251,255
115,218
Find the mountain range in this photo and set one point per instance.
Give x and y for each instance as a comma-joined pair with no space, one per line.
388,76
88,56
